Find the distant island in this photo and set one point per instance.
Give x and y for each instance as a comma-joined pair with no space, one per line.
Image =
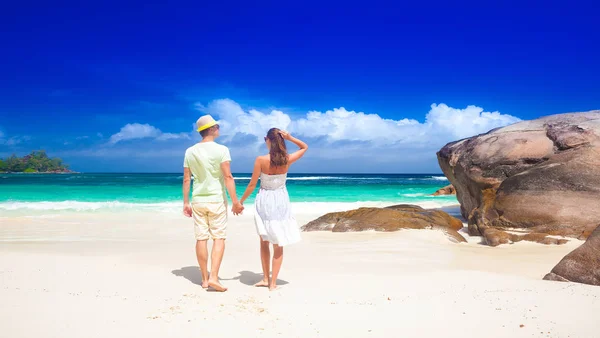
36,162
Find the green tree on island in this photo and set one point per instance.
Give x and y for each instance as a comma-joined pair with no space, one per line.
37,161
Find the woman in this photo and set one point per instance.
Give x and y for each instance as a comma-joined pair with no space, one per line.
273,215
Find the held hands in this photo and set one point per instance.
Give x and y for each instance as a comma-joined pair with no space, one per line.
286,135
237,208
187,210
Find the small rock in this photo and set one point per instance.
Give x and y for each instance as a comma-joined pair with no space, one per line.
447,190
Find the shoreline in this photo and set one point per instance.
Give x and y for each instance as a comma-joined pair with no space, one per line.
48,208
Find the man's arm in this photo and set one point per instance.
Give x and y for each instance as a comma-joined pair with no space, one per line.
230,185
187,179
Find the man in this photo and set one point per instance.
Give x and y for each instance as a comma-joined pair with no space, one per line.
209,164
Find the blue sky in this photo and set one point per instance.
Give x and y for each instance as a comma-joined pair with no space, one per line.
74,74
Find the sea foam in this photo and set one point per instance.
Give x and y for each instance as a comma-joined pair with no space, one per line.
298,207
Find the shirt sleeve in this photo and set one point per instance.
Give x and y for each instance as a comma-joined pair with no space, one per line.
226,156
186,162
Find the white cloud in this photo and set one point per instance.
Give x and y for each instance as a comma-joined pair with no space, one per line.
442,124
340,124
171,136
466,122
348,141
341,140
233,119
14,140
133,131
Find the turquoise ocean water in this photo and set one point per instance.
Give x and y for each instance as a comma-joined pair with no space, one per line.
22,192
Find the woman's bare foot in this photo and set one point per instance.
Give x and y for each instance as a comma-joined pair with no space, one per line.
217,286
273,287
205,285
262,284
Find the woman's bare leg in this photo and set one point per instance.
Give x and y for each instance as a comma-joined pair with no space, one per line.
277,260
265,256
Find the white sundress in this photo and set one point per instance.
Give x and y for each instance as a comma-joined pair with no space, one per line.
273,212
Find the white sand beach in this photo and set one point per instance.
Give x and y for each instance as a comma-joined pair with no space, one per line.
134,274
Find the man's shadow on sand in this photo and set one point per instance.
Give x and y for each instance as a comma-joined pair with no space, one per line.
192,273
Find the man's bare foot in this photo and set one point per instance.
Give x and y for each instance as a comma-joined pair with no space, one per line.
262,284
217,286
205,285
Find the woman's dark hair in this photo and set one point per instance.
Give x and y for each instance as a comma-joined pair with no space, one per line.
278,151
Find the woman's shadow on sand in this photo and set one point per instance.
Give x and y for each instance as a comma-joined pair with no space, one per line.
192,273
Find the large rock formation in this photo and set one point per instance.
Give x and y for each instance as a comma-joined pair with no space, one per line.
541,176
388,219
582,265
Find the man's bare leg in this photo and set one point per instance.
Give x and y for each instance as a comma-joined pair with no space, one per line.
277,260
216,259
265,257
202,256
